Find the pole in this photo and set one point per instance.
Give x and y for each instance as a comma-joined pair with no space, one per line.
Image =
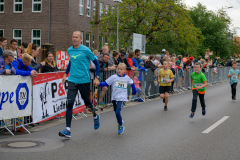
96,31
117,22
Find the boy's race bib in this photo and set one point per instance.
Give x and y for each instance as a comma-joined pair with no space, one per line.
234,77
163,80
121,85
198,84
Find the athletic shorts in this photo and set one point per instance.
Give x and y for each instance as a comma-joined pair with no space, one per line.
163,89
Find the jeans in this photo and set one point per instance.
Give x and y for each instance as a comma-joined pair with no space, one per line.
138,93
194,100
117,108
71,95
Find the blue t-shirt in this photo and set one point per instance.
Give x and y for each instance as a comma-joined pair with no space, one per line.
234,78
6,66
1,51
80,63
135,62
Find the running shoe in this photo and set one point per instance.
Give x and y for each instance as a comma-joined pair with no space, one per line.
97,122
234,98
191,115
65,133
203,112
136,99
140,100
165,108
120,129
163,100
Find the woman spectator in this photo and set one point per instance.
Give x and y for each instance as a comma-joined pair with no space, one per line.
33,50
115,57
3,43
50,64
130,62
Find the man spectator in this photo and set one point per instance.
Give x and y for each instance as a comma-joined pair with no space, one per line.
229,63
104,66
156,62
13,48
22,66
24,47
122,59
3,43
137,54
6,60
163,53
105,49
164,58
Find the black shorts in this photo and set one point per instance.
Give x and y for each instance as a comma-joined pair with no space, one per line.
163,89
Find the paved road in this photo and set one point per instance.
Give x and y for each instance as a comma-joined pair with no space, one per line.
151,133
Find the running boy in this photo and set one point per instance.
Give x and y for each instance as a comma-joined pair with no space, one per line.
198,83
119,84
234,74
165,78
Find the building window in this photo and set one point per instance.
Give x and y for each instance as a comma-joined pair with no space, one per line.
18,6
93,41
88,40
81,7
1,32
36,5
94,7
101,9
36,37
82,37
1,6
17,34
107,8
106,41
88,8
100,42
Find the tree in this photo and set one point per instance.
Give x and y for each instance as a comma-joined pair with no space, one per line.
214,28
165,23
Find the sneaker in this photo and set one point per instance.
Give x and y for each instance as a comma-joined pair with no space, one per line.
135,100
120,129
140,100
191,115
234,98
203,112
97,122
163,100
65,133
165,108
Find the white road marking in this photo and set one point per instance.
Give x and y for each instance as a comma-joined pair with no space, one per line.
215,124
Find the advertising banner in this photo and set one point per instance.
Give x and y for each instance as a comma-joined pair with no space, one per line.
15,96
50,97
62,59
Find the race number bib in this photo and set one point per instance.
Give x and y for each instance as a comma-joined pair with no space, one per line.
234,77
121,85
163,80
198,84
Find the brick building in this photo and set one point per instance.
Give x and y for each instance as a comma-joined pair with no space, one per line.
29,21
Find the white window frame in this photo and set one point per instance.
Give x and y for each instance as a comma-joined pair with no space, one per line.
101,6
2,3
89,39
14,9
82,36
37,38
36,3
94,7
81,5
89,8
107,8
17,38
3,32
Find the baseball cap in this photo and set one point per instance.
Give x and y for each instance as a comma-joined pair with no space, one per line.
191,58
163,50
141,63
123,53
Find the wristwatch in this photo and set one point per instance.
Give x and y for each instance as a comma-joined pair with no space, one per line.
97,77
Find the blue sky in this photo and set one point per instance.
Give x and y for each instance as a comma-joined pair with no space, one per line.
214,5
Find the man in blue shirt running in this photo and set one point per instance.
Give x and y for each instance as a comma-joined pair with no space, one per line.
79,80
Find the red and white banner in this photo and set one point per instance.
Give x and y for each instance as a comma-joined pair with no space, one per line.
62,59
50,97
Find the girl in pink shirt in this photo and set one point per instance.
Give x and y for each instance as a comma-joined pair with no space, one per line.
136,83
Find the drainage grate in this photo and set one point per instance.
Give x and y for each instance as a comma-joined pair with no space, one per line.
21,144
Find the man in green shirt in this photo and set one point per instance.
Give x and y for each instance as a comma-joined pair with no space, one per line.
198,84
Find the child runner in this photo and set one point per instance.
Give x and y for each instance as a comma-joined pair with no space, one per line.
119,82
165,78
198,83
136,83
234,74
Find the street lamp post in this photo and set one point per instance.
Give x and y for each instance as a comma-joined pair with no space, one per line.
118,1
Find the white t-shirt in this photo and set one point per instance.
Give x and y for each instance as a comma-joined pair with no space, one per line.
92,73
119,87
15,54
